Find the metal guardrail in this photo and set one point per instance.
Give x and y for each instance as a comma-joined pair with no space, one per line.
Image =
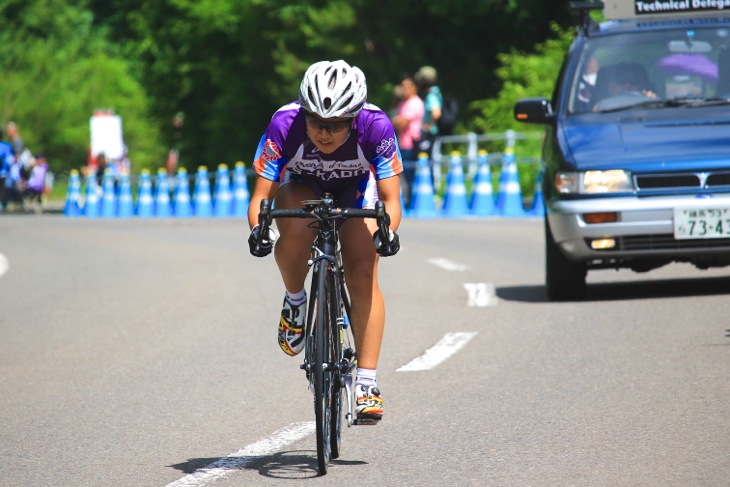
471,142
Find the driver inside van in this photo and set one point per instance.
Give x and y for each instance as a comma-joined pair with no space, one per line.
621,79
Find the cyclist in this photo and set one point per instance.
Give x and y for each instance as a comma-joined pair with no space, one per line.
331,140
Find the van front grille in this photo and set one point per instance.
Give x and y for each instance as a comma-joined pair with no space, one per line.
701,180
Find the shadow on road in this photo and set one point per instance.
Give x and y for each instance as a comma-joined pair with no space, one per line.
621,291
283,465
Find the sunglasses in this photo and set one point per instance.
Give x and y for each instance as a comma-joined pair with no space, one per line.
315,123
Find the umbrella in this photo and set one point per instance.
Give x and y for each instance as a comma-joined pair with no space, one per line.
686,64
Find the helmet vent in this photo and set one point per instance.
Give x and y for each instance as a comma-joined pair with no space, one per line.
332,81
327,102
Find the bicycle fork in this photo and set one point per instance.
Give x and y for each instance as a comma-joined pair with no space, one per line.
347,380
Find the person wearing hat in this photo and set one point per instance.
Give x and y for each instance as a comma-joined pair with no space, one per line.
427,78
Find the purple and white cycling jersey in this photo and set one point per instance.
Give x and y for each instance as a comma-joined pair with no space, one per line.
370,153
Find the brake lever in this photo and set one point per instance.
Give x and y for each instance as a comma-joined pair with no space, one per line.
264,220
383,220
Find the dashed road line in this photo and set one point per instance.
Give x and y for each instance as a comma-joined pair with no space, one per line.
448,265
242,458
480,294
444,348
3,264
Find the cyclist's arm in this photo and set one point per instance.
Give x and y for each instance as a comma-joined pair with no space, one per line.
389,193
263,189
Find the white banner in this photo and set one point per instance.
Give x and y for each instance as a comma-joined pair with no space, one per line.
106,135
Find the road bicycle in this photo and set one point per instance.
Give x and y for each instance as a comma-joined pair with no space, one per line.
330,359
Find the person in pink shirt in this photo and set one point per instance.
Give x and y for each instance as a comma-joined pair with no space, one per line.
408,121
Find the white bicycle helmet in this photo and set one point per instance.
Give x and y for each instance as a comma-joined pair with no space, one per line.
333,89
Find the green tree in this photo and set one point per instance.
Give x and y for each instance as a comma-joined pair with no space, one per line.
227,65
59,68
521,75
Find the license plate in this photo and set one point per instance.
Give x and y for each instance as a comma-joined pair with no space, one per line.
698,223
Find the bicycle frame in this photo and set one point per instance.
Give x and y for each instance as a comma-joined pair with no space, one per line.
327,246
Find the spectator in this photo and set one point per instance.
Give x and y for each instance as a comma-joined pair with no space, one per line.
13,184
36,185
16,141
123,166
100,165
427,78
20,151
7,159
408,121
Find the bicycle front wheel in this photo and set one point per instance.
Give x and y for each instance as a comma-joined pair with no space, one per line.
324,365
339,337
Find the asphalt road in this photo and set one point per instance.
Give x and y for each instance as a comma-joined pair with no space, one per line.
138,352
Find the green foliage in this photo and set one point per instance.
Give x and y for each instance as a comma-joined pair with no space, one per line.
57,70
228,64
522,75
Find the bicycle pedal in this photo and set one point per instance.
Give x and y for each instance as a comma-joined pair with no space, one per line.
366,421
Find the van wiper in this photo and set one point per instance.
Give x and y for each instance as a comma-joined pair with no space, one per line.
707,102
692,102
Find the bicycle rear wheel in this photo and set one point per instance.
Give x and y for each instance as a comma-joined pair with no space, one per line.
324,365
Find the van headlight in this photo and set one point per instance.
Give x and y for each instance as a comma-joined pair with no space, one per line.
594,182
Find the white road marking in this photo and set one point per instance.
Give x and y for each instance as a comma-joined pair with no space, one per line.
448,265
445,348
3,264
242,458
480,294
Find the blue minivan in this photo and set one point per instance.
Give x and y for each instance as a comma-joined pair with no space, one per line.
636,151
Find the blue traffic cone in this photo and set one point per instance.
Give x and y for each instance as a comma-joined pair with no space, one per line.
91,205
183,205
125,205
109,196
202,205
223,196
424,204
455,203
145,202
509,199
163,206
241,196
482,201
538,205
71,208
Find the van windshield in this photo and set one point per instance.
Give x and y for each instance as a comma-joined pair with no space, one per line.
652,69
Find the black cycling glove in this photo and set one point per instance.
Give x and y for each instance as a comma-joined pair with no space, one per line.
263,247
386,249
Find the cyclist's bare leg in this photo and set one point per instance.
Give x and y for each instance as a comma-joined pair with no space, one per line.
368,309
293,248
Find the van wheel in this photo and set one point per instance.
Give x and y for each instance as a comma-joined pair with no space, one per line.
565,280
